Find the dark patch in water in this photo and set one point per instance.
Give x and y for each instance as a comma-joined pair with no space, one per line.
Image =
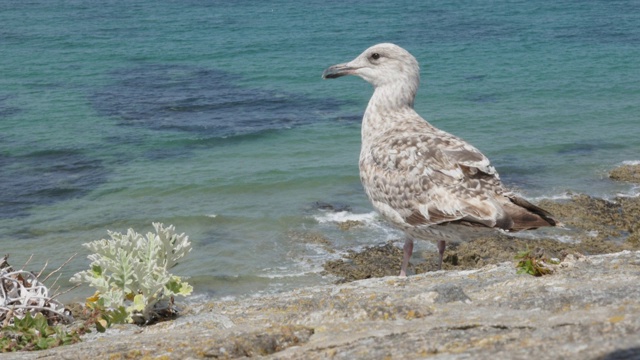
6,110
333,207
483,98
45,177
603,29
203,101
350,118
586,148
577,148
475,77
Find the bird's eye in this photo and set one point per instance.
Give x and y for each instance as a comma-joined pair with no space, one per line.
375,56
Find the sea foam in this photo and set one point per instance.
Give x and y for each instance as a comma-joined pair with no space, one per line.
342,216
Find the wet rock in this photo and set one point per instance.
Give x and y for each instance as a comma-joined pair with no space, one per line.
335,207
312,237
374,261
629,173
597,223
349,224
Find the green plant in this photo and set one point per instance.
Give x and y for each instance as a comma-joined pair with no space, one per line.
34,333
530,264
130,271
100,316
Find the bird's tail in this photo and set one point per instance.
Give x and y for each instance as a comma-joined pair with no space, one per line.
525,215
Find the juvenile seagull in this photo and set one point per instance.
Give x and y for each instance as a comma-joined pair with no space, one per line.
423,180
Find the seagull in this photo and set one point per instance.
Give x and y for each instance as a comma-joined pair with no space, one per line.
424,181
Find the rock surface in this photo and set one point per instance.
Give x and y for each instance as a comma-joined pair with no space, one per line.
630,172
589,308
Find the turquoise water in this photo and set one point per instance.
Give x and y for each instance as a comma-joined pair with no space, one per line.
212,116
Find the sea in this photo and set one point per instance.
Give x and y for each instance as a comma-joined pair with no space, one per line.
212,116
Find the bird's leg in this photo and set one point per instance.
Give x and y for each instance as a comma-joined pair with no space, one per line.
408,250
441,245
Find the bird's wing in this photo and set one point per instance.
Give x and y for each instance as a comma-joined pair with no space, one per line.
431,178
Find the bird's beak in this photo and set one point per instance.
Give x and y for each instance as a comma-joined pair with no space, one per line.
336,71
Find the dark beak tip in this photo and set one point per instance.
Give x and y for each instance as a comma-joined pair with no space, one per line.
328,75
334,72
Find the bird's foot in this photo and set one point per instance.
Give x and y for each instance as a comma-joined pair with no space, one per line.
407,250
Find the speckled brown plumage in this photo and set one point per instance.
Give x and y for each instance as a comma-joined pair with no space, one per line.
425,181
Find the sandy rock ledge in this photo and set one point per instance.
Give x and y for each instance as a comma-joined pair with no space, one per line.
588,309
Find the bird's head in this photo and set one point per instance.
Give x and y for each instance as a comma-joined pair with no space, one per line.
381,65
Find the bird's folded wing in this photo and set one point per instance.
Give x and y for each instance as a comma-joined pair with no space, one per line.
433,178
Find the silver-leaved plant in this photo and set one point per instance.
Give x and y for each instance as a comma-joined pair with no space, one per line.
132,271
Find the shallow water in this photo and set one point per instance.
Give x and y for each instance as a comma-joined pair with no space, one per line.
213,117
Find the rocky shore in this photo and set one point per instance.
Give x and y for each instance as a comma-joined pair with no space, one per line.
477,308
587,309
